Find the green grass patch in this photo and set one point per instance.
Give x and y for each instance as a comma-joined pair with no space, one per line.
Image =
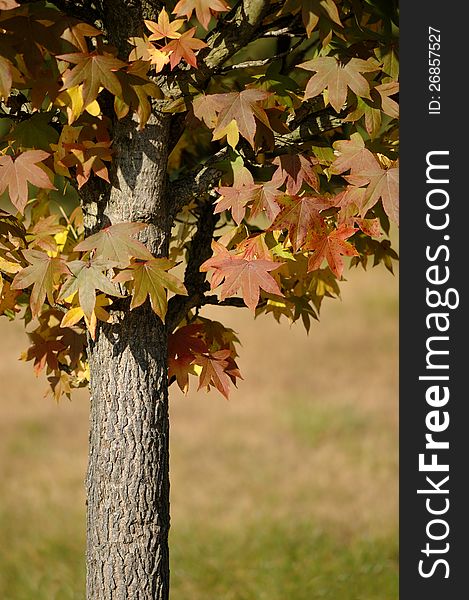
280,562
312,423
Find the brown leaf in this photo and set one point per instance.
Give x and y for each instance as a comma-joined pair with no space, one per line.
203,9
337,78
93,70
15,174
249,276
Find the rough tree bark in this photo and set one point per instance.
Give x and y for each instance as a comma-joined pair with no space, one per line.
128,482
128,474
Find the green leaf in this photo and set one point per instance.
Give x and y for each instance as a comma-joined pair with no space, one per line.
43,274
86,278
114,243
150,279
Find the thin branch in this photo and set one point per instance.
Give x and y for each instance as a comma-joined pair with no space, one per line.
261,62
195,185
214,301
284,32
198,251
309,129
230,35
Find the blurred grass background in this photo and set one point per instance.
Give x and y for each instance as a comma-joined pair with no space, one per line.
286,492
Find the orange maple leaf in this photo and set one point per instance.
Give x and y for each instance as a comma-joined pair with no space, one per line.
183,48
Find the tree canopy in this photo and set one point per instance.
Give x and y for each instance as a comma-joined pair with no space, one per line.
283,164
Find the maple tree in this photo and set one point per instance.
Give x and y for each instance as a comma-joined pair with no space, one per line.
159,157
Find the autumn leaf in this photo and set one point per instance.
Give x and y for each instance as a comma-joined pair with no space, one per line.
43,352
76,313
77,32
41,233
351,201
217,371
236,197
86,277
207,107
6,77
265,200
220,254
371,227
87,157
94,71
254,247
299,215
331,246
60,384
8,4
243,108
183,48
203,9
294,169
384,185
164,28
388,105
151,280
137,88
43,273
8,298
249,276
337,78
183,344
116,244
15,174
313,10
352,155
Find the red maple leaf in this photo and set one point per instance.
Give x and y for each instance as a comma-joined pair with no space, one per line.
331,246
352,156
241,107
94,71
183,345
265,200
384,184
43,351
248,276
43,274
299,215
237,196
294,169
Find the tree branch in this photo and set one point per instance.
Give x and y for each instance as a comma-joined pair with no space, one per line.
196,185
199,250
309,129
231,34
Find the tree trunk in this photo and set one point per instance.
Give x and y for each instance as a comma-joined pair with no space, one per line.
128,475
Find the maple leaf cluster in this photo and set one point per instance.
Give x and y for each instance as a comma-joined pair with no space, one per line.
299,147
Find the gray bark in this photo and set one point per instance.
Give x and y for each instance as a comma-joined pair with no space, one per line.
128,474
